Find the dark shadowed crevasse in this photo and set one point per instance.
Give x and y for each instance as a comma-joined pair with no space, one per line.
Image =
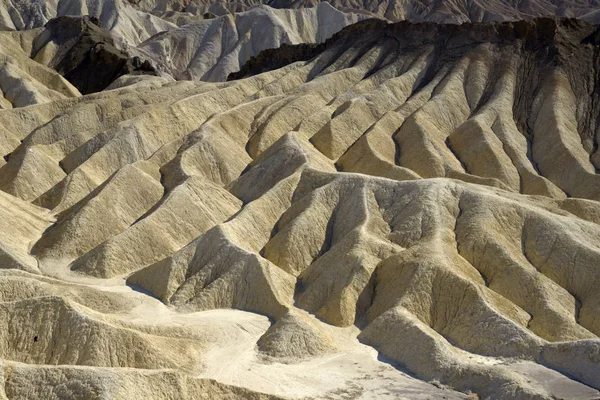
88,56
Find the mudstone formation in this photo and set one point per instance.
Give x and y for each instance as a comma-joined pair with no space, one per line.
212,200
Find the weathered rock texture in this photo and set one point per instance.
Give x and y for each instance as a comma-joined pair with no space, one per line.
24,82
210,50
430,190
85,54
118,16
443,11
91,51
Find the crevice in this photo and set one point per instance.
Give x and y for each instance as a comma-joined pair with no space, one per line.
397,152
158,203
529,154
365,300
524,246
327,243
431,69
486,282
62,166
510,155
578,305
246,169
449,146
299,288
387,54
349,148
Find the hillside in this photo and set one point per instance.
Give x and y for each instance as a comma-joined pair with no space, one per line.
442,11
210,50
406,209
53,33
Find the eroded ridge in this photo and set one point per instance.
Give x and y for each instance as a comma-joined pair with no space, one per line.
424,193
448,11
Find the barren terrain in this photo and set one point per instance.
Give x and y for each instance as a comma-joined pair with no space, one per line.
406,210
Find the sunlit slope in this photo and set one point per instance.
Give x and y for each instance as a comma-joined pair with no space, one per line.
430,191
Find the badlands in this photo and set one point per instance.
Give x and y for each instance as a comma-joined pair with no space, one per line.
223,200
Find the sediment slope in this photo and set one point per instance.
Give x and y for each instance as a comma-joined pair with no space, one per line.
210,50
91,51
86,55
24,82
418,193
446,11
115,15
